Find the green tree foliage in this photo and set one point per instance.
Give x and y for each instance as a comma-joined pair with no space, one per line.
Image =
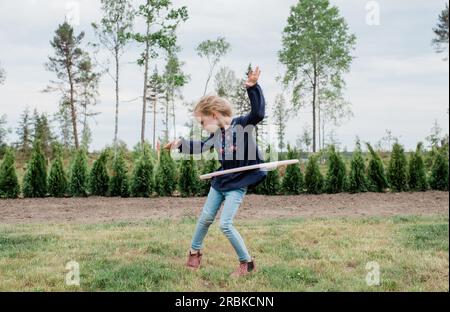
188,183
226,82
143,180
213,51
397,169
417,177
119,180
293,177
9,184
314,181
57,180
440,42
439,171
43,133
79,175
2,75
375,172
336,175
24,132
237,94
4,130
271,185
357,178
98,177
35,179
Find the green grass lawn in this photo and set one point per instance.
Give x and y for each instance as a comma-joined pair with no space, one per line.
321,254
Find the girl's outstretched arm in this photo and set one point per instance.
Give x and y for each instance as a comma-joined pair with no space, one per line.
195,147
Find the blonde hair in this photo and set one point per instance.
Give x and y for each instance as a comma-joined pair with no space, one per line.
213,103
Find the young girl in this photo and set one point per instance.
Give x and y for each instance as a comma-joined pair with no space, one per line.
235,146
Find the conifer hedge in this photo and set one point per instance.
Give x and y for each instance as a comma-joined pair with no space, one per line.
79,175
143,181
375,172
397,169
57,180
357,181
417,176
166,175
439,171
293,178
98,177
9,183
188,183
119,185
35,178
314,181
336,174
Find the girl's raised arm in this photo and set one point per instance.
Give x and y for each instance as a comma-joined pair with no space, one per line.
257,101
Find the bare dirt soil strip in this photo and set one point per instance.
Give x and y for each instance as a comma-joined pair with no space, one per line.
104,209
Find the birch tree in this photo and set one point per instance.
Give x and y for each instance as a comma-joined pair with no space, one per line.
112,33
316,47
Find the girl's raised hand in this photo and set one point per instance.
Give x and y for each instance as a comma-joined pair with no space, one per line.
173,144
253,76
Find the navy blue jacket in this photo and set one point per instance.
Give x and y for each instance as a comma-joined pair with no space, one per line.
236,146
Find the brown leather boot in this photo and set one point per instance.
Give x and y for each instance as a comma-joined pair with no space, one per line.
194,260
244,268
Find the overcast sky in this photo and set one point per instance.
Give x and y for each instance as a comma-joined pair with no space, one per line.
396,82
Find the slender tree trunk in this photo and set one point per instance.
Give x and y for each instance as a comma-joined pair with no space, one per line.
116,127
84,119
319,117
144,96
323,133
166,136
173,114
154,122
207,80
74,119
314,108
73,110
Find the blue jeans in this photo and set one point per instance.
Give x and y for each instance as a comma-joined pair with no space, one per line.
232,200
